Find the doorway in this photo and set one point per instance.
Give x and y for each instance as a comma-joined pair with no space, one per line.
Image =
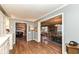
51,30
21,30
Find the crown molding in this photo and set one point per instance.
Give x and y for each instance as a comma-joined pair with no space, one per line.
38,19
51,12
3,11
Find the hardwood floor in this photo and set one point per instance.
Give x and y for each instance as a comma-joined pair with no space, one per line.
32,47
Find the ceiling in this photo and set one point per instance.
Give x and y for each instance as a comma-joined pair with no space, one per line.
29,12
53,21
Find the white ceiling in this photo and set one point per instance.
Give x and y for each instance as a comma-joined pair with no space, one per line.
29,12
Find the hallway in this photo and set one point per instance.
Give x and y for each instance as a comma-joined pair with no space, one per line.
32,47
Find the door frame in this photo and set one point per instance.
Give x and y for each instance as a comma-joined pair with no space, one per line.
26,30
39,30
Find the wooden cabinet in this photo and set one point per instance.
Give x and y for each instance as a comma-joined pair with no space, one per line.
72,49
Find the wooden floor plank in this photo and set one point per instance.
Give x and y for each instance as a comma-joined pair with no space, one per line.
32,47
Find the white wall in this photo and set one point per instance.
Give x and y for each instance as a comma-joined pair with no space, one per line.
71,17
